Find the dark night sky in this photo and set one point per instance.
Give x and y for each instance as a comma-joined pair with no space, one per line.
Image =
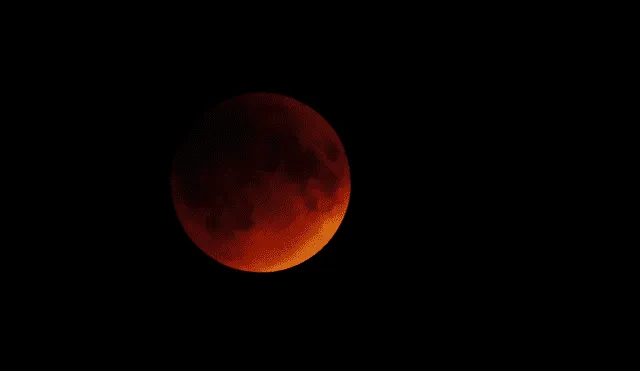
450,124
433,150
419,143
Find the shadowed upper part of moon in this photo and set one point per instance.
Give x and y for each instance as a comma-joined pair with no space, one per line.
234,149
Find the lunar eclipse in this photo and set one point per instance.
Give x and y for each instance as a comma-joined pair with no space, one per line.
261,183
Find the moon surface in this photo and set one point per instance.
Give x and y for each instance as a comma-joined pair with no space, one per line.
261,183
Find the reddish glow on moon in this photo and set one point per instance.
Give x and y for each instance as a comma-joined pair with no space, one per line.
262,183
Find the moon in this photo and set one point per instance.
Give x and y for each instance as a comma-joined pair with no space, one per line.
261,183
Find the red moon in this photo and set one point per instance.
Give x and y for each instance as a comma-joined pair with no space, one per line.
261,183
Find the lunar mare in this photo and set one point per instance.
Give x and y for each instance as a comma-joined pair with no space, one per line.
261,183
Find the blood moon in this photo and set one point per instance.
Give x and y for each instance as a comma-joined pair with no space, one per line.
261,183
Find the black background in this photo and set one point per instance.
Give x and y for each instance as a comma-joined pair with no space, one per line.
437,137
455,127
425,146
